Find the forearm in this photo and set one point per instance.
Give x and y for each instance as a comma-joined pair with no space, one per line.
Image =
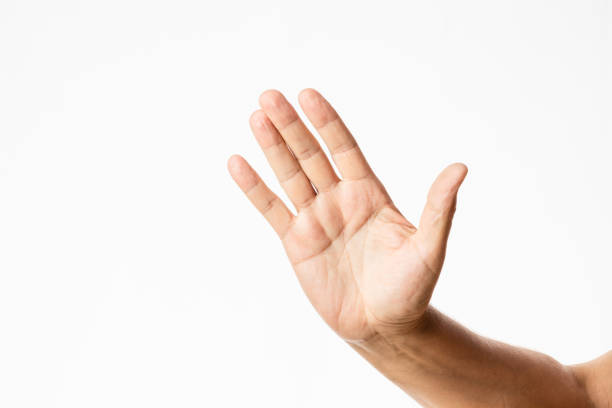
443,364
595,376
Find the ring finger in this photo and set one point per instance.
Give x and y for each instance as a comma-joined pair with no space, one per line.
287,169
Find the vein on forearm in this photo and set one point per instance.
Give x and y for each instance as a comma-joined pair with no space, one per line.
444,364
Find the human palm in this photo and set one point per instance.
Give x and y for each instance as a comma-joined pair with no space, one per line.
365,268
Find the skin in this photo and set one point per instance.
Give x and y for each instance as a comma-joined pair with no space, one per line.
370,273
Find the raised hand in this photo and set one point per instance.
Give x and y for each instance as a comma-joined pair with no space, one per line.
365,268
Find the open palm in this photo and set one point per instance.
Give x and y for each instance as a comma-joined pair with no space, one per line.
365,268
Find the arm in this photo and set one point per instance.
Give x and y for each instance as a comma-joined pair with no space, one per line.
596,377
370,273
443,364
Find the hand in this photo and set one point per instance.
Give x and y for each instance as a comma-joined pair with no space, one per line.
366,269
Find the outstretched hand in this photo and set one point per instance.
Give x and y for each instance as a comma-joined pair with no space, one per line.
366,269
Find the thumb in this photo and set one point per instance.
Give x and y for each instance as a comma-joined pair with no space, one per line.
437,216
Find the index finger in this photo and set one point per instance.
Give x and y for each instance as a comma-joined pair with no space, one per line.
342,146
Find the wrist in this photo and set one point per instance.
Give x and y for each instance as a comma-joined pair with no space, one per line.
393,341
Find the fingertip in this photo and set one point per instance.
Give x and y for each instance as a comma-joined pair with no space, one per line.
449,180
308,95
459,169
258,119
316,107
242,173
234,162
455,174
271,97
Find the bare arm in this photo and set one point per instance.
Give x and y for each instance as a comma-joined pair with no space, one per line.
370,273
596,378
443,364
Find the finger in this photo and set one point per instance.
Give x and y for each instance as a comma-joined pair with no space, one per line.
437,216
287,169
341,144
302,143
268,203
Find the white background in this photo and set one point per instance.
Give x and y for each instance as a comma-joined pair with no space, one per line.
134,273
